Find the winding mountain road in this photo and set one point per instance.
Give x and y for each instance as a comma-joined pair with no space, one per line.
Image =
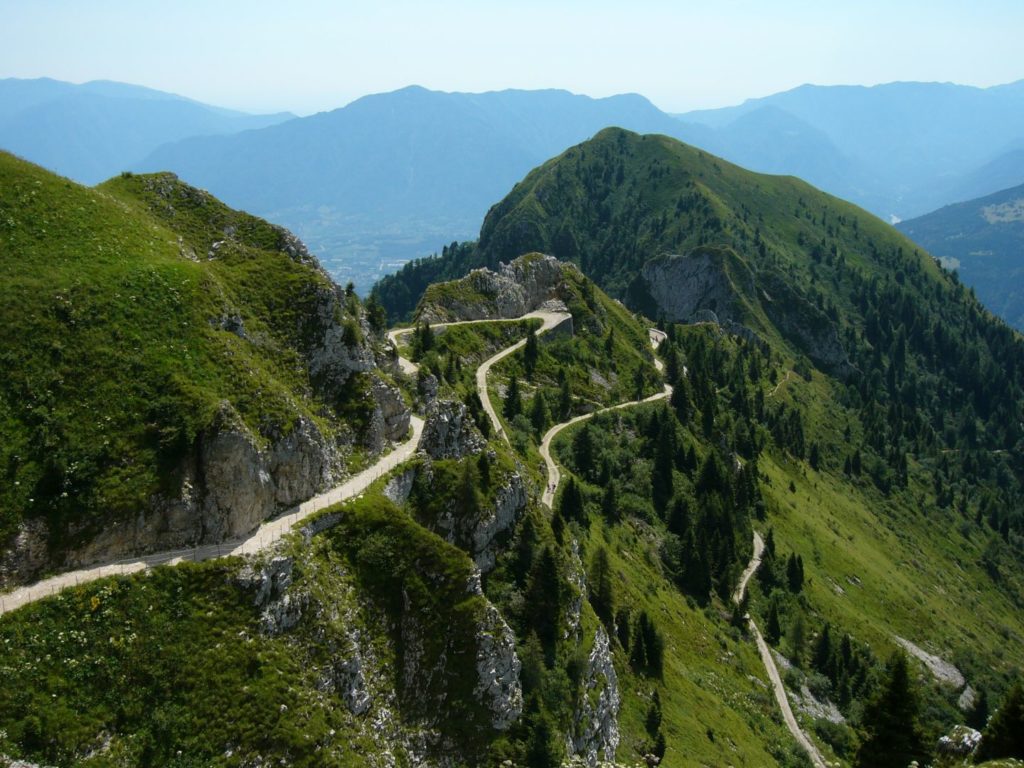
265,535
554,475
769,662
272,530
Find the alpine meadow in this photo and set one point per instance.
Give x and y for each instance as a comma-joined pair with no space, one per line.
696,455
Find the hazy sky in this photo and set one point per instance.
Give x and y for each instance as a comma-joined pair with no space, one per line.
311,55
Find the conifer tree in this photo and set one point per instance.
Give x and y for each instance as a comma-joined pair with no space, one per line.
531,352
662,484
583,451
892,735
602,590
1004,734
610,504
540,417
823,652
564,396
570,504
483,466
543,600
513,405
772,628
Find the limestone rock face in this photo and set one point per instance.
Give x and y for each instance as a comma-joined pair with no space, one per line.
806,325
336,354
390,418
26,555
281,608
480,534
715,285
498,687
596,732
700,282
449,432
516,288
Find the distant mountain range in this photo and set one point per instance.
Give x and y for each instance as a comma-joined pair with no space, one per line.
900,149
984,240
395,176
93,131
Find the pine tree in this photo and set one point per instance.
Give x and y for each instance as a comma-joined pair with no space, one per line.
513,402
601,587
821,657
423,340
376,314
610,504
583,451
794,574
892,735
564,396
662,484
679,517
540,417
772,628
680,400
1004,734
531,352
468,501
543,600
483,466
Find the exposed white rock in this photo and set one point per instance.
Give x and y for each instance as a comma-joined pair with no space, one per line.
596,721
809,704
25,554
497,665
449,432
577,576
398,488
959,743
281,607
941,670
528,283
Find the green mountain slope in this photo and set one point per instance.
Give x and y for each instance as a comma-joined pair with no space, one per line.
832,388
145,325
888,416
984,242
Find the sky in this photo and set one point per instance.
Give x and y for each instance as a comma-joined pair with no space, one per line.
306,56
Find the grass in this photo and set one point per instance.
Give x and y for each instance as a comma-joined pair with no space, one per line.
115,343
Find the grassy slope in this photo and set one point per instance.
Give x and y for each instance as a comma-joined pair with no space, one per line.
919,567
173,667
716,704
112,363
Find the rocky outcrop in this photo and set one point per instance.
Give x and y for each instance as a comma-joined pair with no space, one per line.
479,535
713,284
398,488
959,744
26,554
390,418
498,687
577,577
517,288
280,608
342,347
706,280
449,432
496,520
596,722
